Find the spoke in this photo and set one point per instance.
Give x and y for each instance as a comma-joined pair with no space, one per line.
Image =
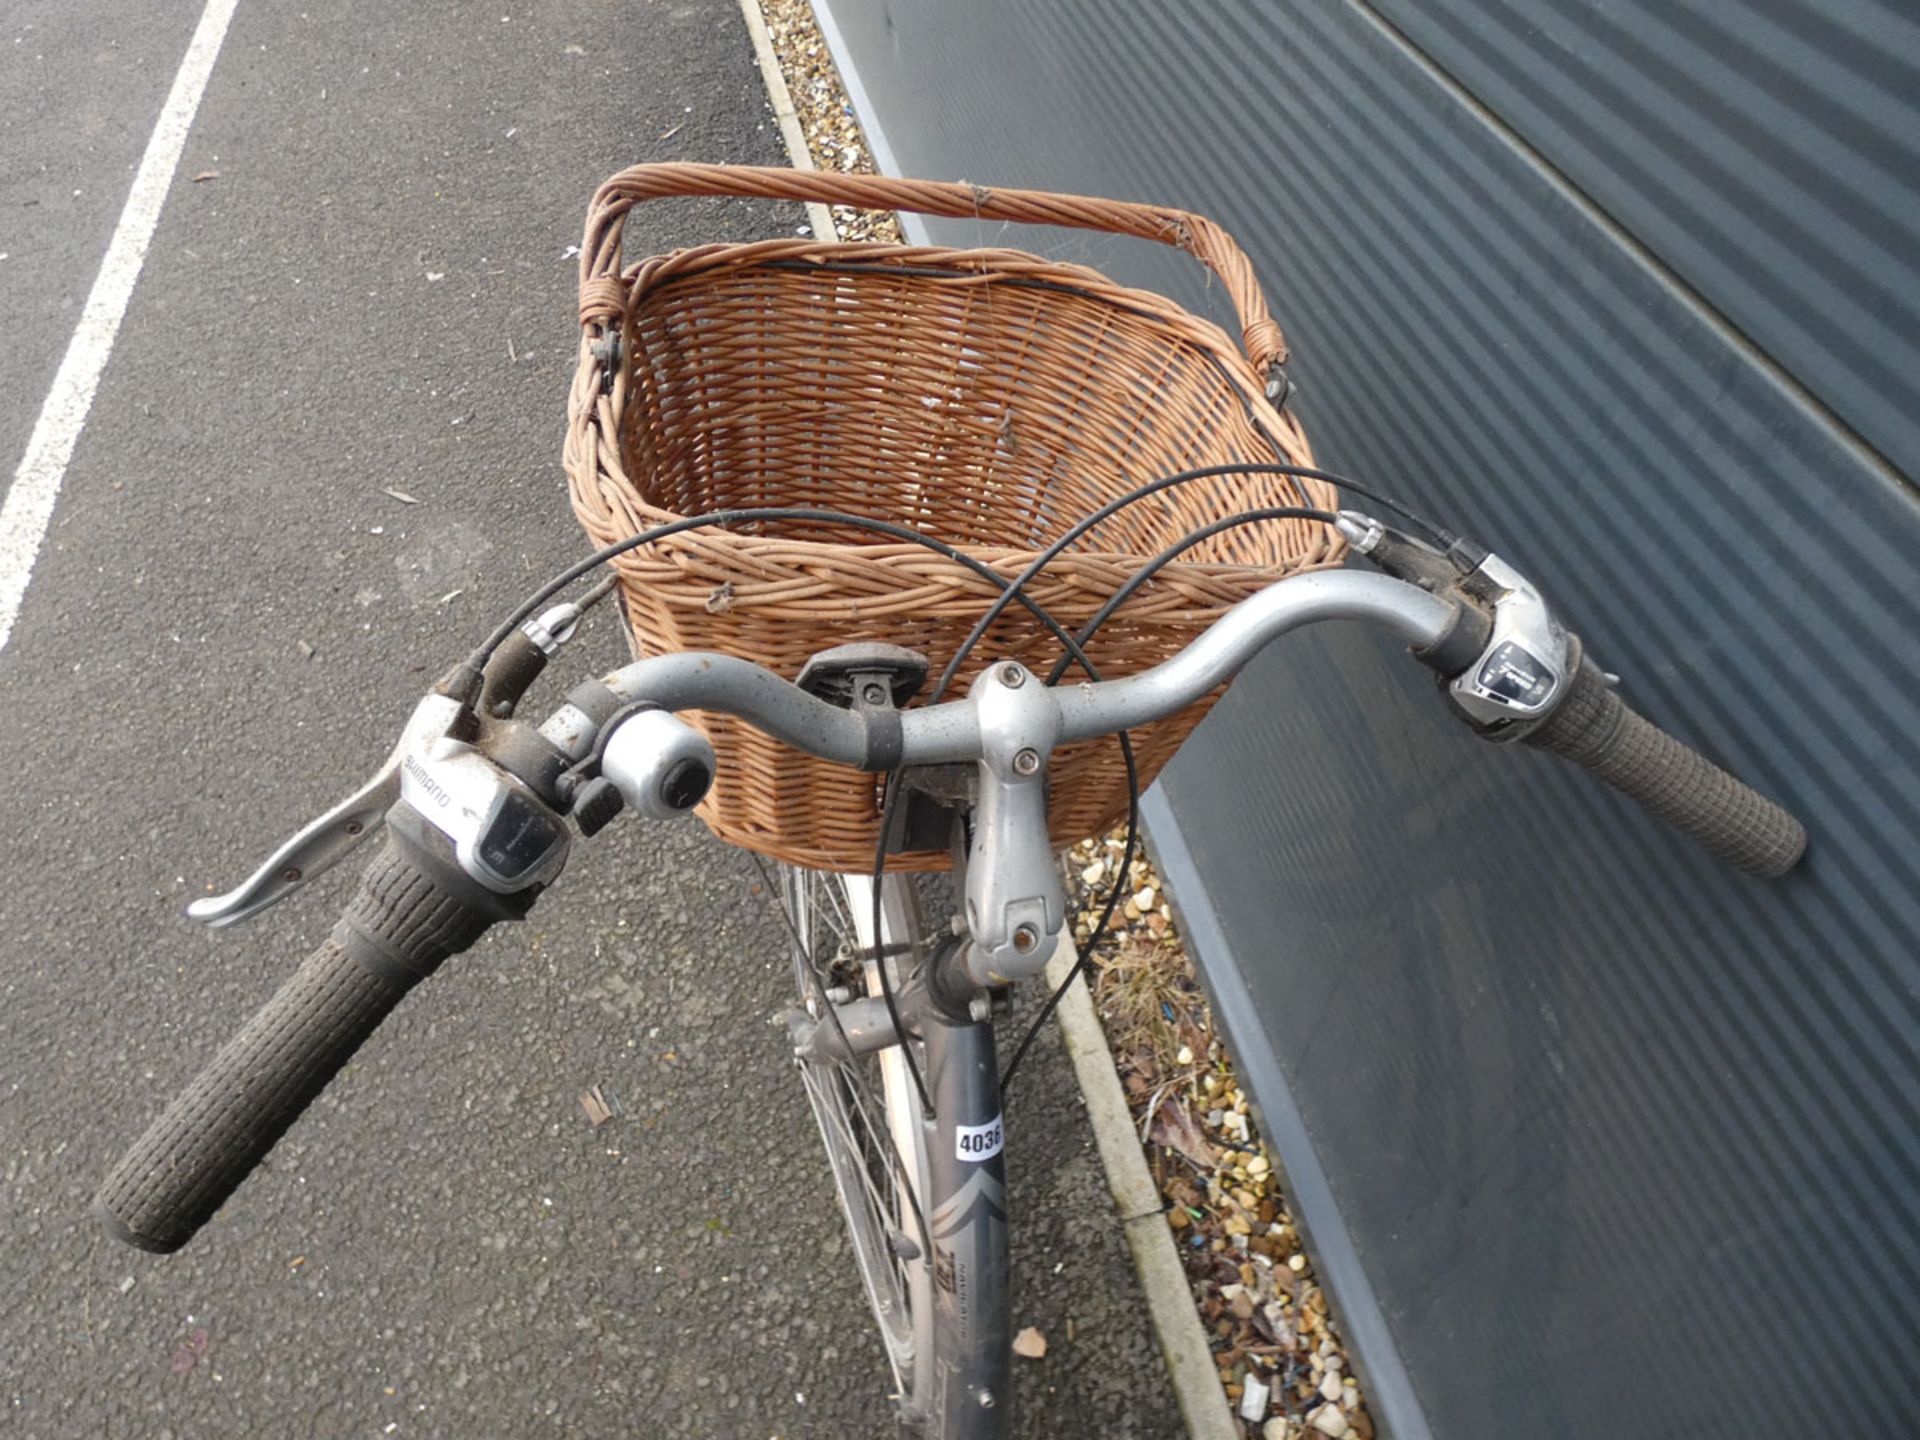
866,1154
842,917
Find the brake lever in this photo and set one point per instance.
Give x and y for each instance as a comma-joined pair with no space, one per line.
322,843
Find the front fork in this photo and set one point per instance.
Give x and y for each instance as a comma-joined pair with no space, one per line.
966,1210
966,1330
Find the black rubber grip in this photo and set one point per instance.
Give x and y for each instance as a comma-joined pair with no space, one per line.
399,928
1594,727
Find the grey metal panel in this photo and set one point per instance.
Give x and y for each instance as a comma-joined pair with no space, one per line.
1767,151
1621,1143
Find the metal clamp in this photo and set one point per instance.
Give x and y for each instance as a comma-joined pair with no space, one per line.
1280,387
1016,905
607,350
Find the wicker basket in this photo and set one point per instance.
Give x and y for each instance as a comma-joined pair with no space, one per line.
988,397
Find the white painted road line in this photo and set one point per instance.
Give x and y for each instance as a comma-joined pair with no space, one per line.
36,484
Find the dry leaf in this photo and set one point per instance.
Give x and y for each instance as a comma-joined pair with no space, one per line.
594,1102
721,600
1030,1344
1175,1128
400,495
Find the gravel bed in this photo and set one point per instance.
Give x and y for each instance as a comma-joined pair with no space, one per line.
826,116
1277,1349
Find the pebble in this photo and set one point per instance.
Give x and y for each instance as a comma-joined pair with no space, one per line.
1253,1399
1328,1420
1330,1387
1274,1429
1030,1344
1283,1335
1296,1263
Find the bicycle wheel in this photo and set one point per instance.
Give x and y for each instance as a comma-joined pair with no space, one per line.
949,1356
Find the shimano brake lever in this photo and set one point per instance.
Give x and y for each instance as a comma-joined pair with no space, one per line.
325,841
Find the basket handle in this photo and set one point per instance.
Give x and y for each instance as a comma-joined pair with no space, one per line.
603,296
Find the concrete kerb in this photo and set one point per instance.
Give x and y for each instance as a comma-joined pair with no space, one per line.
1183,1343
819,217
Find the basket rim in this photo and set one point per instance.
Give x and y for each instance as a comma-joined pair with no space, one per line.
969,265
593,407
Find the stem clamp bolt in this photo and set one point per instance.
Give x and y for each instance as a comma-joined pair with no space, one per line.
1013,675
1026,762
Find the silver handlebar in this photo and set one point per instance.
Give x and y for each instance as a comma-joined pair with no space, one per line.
945,733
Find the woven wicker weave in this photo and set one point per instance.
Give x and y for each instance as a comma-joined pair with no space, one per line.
988,398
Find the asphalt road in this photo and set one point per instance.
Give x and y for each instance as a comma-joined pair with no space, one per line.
373,293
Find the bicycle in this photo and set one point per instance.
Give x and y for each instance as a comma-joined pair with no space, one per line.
893,1029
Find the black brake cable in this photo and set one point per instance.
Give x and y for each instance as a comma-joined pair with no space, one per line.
478,658
1016,591
1185,543
1010,591
476,661
1083,960
481,653
1046,557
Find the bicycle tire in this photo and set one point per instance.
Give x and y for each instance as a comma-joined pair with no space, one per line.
939,1299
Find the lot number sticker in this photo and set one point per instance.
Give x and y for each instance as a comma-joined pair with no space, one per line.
978,1142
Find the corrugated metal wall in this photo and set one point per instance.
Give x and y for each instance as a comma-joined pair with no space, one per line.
1595,1138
